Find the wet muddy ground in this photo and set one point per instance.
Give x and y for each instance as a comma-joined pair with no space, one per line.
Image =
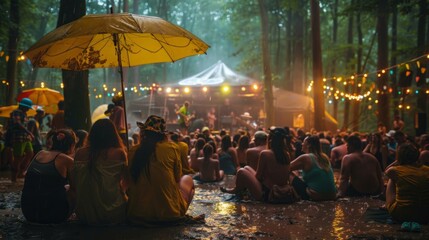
225,218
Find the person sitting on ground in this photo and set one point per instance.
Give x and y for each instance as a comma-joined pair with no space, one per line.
243,145
228,156
206,134
273,169
45,198
209,167
361,173
378,149
252,154
424,149
100,176
118,117
195,153
338,152
317,183
407,195
158,193
183,147
82,136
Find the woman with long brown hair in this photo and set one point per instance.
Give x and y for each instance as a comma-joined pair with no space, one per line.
158,192
317,181
100,171
273,169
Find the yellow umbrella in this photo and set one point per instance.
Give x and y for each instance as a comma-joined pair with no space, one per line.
6,110
114,40
111,40
41,96
98,113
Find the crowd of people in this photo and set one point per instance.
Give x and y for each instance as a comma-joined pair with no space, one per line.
95,178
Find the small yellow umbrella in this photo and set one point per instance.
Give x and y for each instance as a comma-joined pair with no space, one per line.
6,110
41,96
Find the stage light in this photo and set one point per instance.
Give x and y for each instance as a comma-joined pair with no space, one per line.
255,86
177,90
187,90
205,89
114,89
243,89
168,90
225,89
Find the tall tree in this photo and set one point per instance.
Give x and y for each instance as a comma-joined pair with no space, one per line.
319,103
268,88
334,59
298,50
421,46
382,63
76,93
349,61
12,63
357,88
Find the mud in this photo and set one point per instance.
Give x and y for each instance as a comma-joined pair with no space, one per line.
226,218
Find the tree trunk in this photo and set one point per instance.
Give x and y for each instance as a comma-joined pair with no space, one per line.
288,52
349,59
393,61
382,63
268,89
76,93
298,51
319,101
357,89
12,63
334,59
422,98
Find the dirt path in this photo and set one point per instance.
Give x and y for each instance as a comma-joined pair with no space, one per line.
226,218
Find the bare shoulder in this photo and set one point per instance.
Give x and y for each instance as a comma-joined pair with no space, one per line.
117,153
266,152
65,159
81,154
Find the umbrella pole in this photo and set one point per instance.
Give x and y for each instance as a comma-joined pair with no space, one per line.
118,51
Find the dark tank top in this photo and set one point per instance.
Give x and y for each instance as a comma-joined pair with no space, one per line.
44,198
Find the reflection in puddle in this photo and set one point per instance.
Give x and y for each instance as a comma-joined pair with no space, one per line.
225,208
337,229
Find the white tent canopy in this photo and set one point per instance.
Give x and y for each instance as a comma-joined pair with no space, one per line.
216,74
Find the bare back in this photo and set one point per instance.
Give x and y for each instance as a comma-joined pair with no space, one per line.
270,172
209,169
252,156
361,171
193,157
337,154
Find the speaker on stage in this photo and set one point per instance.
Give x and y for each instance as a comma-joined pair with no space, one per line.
420,123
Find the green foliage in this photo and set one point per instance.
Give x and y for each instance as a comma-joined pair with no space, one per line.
232,28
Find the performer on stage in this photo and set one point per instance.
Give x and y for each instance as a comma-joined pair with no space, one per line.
183,118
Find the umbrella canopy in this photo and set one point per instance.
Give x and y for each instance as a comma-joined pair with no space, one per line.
98,113
6,110
114,40
92,41
41,96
